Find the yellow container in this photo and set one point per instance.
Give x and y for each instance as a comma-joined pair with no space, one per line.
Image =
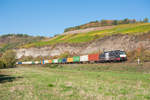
69,59
50,61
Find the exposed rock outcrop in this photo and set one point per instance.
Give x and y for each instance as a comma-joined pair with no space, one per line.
115,42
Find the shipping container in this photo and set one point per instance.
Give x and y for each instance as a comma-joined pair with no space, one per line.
55,61
84,58
46,61
28,62
59,60
76,59
50,61
40,62
19,62
93,57
33,62
64,60
69,59
37,62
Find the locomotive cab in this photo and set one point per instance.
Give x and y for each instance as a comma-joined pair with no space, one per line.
123,56
116,55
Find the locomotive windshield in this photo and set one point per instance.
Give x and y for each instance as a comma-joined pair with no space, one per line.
122,52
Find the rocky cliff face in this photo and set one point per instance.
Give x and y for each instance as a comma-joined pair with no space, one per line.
116,42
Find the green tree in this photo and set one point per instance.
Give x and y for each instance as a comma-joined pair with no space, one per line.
9,58
103,22
2,65
145,20
126,21
115,22
64,55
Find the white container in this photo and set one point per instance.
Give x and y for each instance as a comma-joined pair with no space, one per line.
23,62
55,60
28,62
46,61
84,58
37,62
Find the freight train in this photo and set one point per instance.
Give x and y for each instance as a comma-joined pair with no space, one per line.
109,56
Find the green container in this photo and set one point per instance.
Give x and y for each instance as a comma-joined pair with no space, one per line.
76,59
53,61
33,62
59,60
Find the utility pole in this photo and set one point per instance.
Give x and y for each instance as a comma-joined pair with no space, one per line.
138,60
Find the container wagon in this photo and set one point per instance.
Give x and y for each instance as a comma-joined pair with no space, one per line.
76,59
59,61
84,59
69,60
64,60
55,61
50,61
93,58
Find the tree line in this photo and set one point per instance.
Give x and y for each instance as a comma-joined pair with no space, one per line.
105,23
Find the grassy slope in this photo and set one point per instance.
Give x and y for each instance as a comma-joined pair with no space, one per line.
12,41
131,29
95,82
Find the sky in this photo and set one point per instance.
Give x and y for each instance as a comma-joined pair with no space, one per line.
51,17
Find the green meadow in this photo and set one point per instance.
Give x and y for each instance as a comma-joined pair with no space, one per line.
76,82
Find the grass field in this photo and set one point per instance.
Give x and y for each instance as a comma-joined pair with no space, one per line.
76,82
130,29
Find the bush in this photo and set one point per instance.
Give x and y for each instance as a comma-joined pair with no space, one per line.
64,55
146,56
2,65
9,59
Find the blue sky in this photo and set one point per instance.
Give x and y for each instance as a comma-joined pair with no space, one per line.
50,17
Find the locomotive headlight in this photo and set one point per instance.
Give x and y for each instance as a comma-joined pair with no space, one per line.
123,55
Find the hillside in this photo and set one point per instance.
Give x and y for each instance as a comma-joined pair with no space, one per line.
12,41
130,29
133,38
103,23
89,30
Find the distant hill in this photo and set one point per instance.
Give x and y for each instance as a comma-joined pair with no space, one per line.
103,22
12,41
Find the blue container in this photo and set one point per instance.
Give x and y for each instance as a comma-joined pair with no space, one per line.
19,62
64,60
